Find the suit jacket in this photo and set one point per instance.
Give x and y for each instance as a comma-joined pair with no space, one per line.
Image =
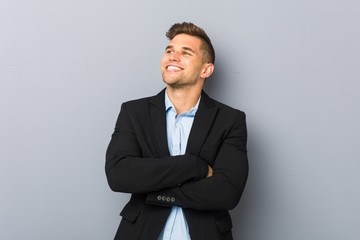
138,162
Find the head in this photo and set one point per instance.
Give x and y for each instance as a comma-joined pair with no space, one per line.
195,31
189,57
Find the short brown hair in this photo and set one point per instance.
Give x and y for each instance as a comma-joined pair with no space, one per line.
193,30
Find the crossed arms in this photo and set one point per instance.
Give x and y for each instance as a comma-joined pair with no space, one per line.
214,179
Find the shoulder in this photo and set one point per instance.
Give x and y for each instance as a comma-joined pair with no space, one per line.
157,99
222,109
230,114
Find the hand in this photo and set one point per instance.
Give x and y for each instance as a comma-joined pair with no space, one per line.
210,172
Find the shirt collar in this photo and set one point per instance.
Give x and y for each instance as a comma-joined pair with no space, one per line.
169,105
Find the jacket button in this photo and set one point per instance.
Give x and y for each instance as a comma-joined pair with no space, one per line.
172,199
163,198
159,197
168,199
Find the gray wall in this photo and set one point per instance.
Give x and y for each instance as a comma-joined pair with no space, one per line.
292,66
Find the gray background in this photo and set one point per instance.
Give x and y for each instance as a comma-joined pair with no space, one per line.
292,66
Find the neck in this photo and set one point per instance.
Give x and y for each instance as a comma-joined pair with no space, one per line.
183,99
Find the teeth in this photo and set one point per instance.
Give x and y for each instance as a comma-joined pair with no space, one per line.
173,68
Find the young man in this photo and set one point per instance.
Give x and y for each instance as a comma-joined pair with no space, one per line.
181,154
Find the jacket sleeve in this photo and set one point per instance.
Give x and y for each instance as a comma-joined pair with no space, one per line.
221,191
128,171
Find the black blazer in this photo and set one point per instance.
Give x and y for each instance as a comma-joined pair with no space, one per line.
138,162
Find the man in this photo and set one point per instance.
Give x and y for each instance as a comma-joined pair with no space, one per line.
181,154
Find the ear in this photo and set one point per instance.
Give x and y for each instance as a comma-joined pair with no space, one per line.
207,70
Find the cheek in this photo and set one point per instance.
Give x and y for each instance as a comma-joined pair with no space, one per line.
163,62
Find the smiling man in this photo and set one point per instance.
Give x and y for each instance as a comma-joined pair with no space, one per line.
181,154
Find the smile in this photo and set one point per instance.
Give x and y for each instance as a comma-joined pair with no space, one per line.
173,68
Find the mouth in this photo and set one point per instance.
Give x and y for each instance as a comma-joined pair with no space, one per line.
173,68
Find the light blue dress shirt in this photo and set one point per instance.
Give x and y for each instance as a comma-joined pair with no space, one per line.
178,130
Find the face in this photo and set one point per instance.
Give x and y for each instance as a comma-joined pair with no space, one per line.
182,64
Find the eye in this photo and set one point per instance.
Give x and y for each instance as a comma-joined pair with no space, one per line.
187,53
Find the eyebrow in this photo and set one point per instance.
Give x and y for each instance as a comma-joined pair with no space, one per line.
184,48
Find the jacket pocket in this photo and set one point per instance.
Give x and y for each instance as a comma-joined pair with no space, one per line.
130,213
224,223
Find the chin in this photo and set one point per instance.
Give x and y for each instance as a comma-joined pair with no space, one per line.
170,81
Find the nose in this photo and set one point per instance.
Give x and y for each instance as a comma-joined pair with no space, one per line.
174,56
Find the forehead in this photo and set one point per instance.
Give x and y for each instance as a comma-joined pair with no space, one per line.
184,40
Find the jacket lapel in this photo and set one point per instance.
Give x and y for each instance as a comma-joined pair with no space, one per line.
158,122
203,121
